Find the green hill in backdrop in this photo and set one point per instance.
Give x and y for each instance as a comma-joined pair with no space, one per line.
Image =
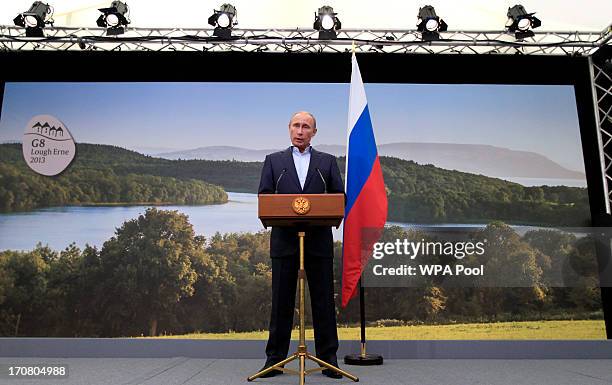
104,174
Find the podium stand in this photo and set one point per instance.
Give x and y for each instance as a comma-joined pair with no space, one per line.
301,210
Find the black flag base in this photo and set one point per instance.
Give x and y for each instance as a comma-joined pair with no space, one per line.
363,360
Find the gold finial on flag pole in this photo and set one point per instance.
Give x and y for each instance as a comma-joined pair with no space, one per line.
353,46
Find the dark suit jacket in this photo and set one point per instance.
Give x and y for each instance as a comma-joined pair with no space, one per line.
283,241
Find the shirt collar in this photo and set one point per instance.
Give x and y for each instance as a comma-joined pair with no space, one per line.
296,151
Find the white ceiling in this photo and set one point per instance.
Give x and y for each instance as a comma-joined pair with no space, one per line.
556,15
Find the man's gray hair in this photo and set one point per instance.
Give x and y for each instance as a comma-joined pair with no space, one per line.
314,121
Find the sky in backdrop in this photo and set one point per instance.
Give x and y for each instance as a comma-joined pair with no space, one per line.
178,116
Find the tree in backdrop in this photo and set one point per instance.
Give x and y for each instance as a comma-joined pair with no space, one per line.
148,271
513,280
155,270
23,289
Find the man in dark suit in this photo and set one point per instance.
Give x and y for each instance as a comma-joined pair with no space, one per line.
301,169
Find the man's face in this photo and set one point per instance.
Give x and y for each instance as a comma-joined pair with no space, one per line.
301,130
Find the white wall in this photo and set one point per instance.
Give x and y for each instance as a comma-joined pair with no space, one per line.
588,15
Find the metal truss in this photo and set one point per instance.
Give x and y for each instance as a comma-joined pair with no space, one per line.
306,40
602,94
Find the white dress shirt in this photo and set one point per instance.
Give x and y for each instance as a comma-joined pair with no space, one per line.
301,161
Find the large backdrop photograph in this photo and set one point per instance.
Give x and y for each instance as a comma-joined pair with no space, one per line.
152,231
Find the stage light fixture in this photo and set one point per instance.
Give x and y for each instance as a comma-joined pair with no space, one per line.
35,19
327,23
521,22
114,18
429,24
224,20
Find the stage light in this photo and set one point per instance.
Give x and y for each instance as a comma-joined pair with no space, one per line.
429,24
114,18
223,20
520,22
327,23
35,19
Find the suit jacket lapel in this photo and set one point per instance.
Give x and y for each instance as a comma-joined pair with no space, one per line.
291,167
315,157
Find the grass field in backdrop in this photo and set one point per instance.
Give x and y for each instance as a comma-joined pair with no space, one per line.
528,330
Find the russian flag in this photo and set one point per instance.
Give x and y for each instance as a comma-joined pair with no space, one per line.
366,205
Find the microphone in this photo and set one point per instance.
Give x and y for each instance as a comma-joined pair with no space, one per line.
323,179
279,179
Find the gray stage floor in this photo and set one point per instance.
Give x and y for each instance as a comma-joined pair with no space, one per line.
190,371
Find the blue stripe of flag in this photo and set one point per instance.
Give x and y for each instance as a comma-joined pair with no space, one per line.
361,153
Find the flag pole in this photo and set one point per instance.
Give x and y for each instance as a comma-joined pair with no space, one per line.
362,316
363,358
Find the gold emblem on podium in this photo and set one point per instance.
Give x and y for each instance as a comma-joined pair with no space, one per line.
301,205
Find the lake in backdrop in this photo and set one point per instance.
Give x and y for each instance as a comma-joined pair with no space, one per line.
57,227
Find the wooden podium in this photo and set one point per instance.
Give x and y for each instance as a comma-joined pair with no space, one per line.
299,211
